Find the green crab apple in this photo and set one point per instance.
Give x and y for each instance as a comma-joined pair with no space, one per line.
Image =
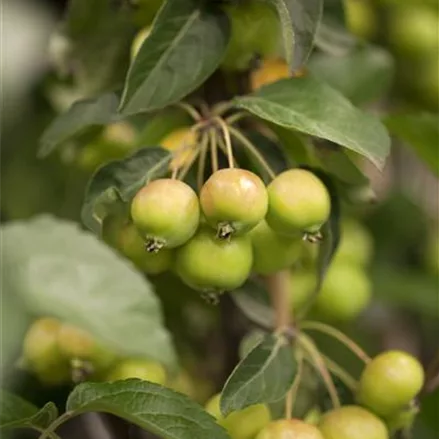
301,285
389,382
242,424
272,252
255,31
166,212
298,201
345,293
290,429
143,369
352,422
132,245
233,201
209,264
41,353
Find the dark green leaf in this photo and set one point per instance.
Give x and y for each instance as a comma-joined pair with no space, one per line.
310,106
300,20
186,45
81,116
265,375
57,269
158,409
363,75
16,412
419,131
118,181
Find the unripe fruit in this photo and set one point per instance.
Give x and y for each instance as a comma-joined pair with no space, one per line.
290,429
41,353
345,293
298,202
75,343
301,286
233,201
138,368
243,424
132,245
361,18
352,422
209,264
389,382
166,212
272,252
183,139
271,70
255,31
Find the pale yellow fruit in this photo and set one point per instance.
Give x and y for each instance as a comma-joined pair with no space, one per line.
270,70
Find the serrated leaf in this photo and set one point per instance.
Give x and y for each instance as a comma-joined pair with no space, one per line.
81,116
310,106
15,412
118,181
264,376
185,46
299,20
420,131
56,269
363,75
158,409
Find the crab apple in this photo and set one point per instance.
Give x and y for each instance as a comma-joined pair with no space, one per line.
143,369
75,343
271,251
255,31
345,293
185,141
209,264
389,382
270,70
301,285
132,245
242,424
166,212
298,201
352,422
41,353
290,429
233,201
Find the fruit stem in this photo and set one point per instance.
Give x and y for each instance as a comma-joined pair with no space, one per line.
228,141
188,166
338,335
236,117
174,172
221,108
213,150
318,363
202,161
336,369
278,287
223,148
190,110
292,393
253,150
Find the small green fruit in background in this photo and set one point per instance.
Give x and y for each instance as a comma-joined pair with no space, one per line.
301,285
352,422
298,202
166,212
290,429
345,293
389,382
271,251
41,353
255,31
243,424
138,368
233,201
209,264
361,18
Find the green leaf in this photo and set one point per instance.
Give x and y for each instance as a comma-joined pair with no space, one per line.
59,270
420,131
118,181
363,75
186,45
310,106
158,409
15,412
264,376
299,20
82,116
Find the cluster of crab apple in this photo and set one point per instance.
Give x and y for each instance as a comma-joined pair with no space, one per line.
235,226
